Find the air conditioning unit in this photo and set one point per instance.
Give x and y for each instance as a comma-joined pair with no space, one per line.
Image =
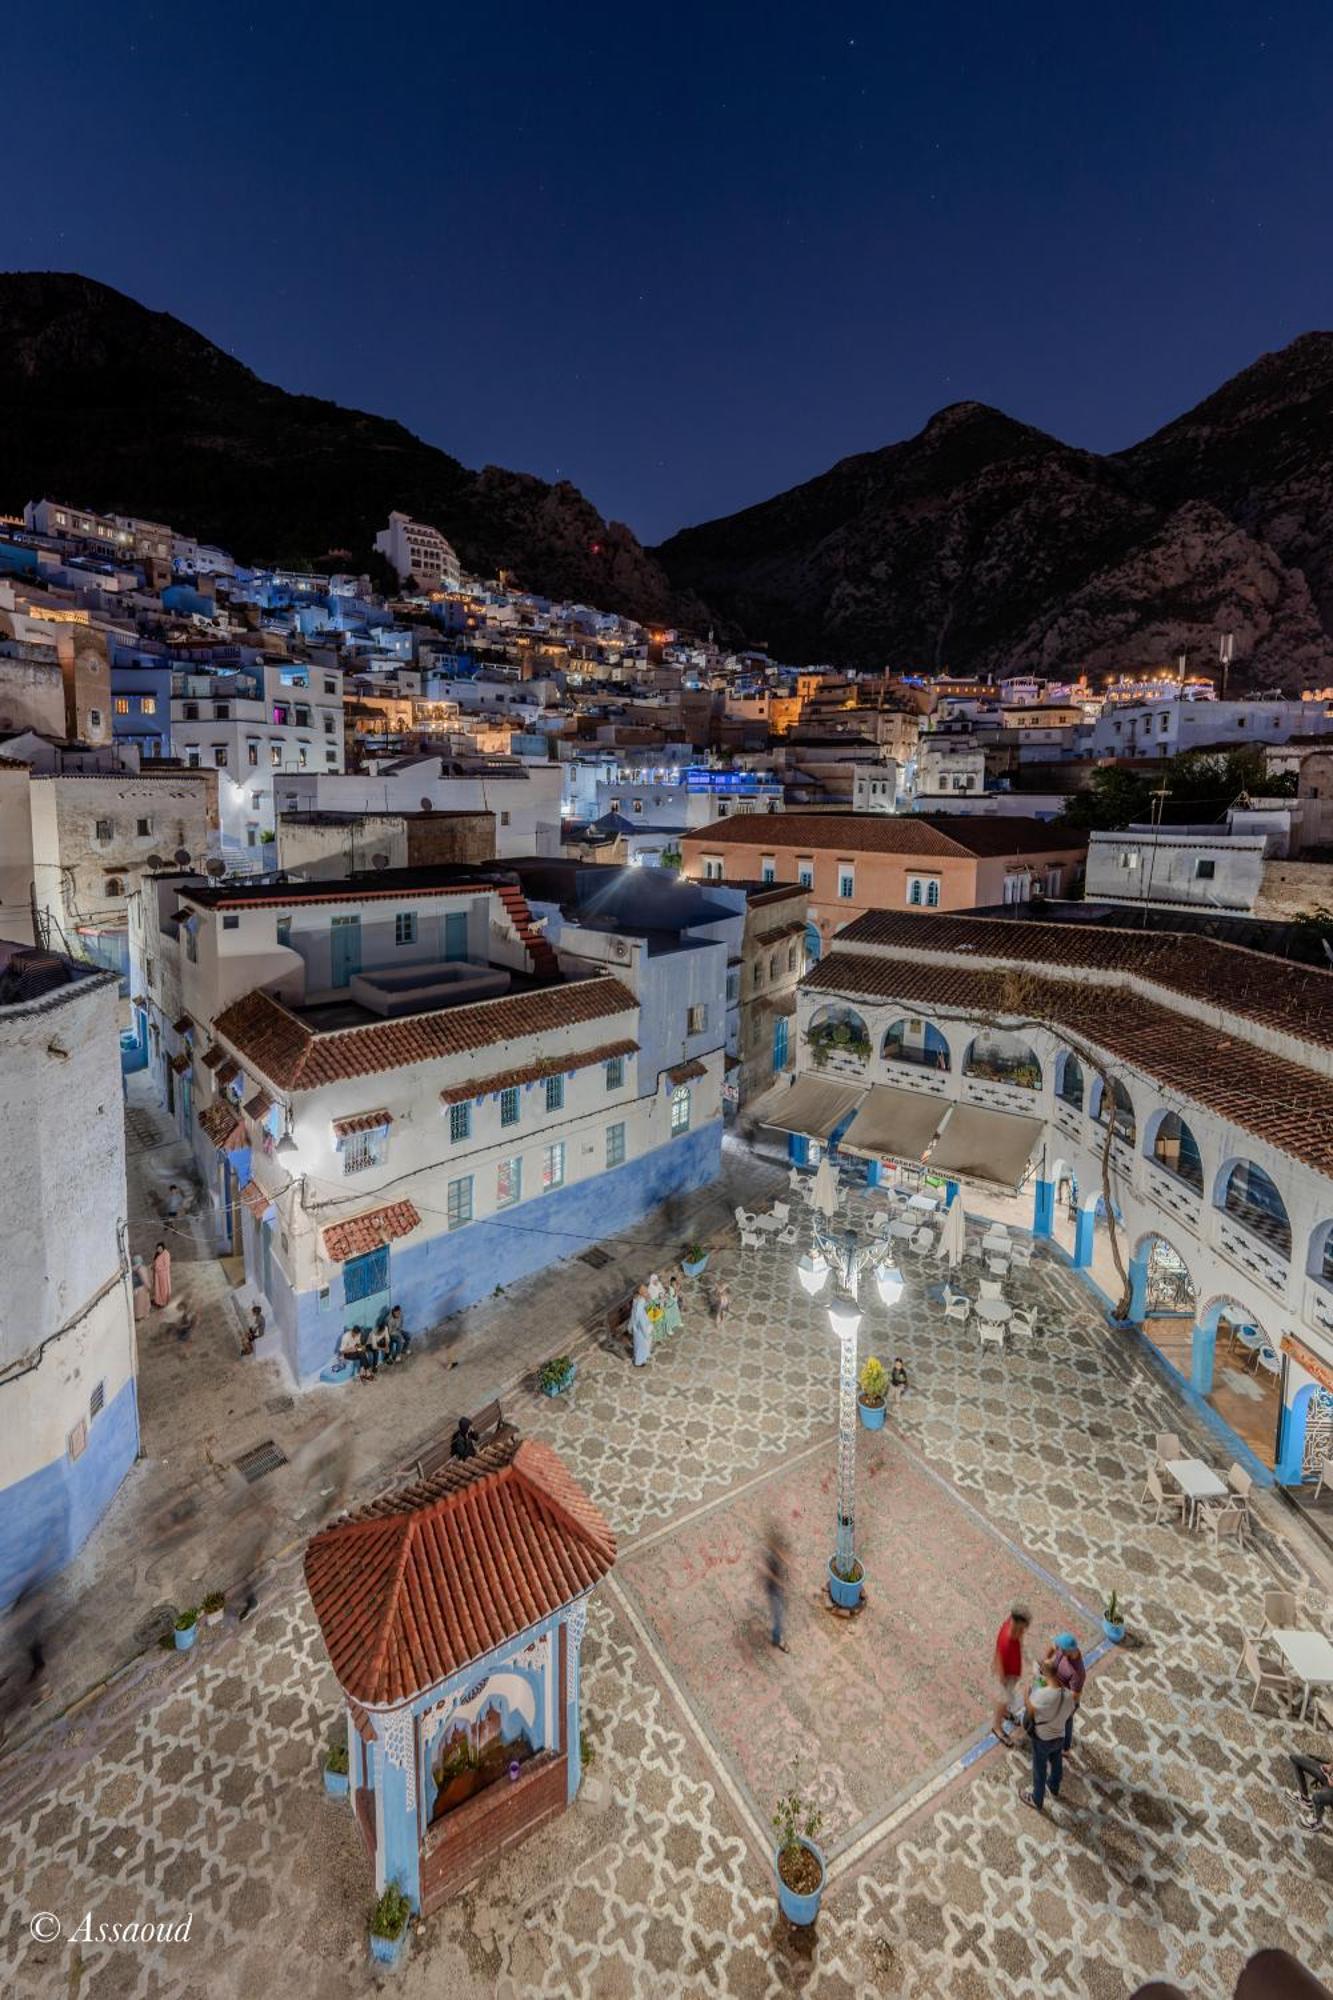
621,949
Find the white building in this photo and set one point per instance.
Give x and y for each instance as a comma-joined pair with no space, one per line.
464,1105
420,552
875,787
525,798
68,1400
1169,726
275,716
1214,1067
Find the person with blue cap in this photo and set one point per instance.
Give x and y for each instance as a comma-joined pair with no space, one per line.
1065,1664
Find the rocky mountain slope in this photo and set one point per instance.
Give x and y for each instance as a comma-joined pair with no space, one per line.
114,407
983,544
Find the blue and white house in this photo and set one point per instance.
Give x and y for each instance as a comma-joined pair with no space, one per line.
454,1613
403,1094
69,1415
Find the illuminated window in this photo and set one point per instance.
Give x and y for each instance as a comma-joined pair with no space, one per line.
553,1166
509,1181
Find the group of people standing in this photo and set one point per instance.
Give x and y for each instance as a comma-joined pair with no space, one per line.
655,1315
1046,1710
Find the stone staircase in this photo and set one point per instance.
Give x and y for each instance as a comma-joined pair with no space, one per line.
545,964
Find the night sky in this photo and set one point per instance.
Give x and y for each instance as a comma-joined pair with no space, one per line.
686,255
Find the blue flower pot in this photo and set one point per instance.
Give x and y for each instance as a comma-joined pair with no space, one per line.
336,1783
1115,1633
696,1269
848,1595
802,1909
872,1419
559,1388
184,1640
388,1951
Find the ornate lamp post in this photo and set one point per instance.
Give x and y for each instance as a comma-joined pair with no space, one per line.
846,1255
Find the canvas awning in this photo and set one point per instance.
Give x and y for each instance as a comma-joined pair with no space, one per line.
813,1107
897,1123
981,1145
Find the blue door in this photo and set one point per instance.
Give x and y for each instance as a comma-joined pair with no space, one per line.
780,1026
346,945
365,1287
455,935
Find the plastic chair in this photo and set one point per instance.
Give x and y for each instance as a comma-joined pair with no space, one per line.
1171,1503
1267,1680
1280,1612
1168,1446
990,1288
958,1308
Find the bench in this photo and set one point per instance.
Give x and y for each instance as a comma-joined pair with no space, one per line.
489,1424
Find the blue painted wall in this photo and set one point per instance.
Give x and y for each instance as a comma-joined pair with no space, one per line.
47,1517
447,1272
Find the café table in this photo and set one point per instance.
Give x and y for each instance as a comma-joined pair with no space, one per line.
1309,1656
1197,1482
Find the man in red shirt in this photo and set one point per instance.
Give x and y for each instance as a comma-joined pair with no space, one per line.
1009,1669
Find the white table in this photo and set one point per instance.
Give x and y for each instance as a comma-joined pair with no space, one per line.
1197,1482
997,1240
997,1311
770,1222
1310,1657
925,1202
906,1230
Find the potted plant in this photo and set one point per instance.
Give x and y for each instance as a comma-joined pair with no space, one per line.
337,1777
554,1377
800,1864
388,1926
873,1388
1112,1623
693,1259
213,1607
186,1629
844,1583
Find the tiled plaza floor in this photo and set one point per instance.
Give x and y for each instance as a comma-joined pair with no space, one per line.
1175,1850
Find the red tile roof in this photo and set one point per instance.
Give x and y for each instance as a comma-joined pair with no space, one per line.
222,1125
533,1072
185,1026
272,1041
259,1105
941,834
181,1062
212,1057
783,931
686,1072
1296,999
369,1232
1276,1100
365,1121
228,1072
255,1200
427,1581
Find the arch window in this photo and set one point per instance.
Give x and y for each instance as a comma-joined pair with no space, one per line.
1175,1148
838,1031
1321,1253
1069,1081
1251,1197
1119,1112
997,1057
916,1041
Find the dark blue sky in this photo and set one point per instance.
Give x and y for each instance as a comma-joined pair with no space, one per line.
688,254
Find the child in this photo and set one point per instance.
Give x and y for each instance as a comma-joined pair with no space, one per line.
898,1378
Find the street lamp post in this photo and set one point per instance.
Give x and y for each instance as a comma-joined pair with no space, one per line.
846,1255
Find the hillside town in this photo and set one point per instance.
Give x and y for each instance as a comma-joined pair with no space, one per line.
450,1038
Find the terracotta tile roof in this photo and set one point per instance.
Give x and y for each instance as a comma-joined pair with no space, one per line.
185,1026
227,1072
781,934
369,1232
425,1582
686,1072
181,1062
364,1121
272,1041
212,1057
222,1125
533,1072
1296,999
1278,1101
255,1200
259,1105
941,834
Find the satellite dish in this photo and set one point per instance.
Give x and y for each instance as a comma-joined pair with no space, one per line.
215,867
182,857
156,861
379,860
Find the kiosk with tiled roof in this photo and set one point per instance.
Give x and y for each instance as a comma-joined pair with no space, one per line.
453,1612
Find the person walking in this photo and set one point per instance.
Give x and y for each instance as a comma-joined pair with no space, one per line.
161,1277
1314,1803
1049,1706
253,1330
641,1328
721,1305
1008,1667
1065,1663
143,1295
672,1322
898,1378
773,1573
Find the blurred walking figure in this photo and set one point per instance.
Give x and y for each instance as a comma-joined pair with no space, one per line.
774,1575
254,1331
27,1635
721,1304
161,1276
143,1297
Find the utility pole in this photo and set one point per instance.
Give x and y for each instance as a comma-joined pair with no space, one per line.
1225,647
1159,799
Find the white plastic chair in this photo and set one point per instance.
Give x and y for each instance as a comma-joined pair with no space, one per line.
992,1333
999,1265
990,1288
958,1308
1022,1318
791,1234
1325,1476
782,1210
750,1241
744,1219
923,1241
1171,1503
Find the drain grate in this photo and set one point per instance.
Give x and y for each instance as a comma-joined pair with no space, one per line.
594,1257
259,1460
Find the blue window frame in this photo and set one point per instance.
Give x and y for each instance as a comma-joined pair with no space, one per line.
555,1093
509,1106
460,1123
364,1276
615,1073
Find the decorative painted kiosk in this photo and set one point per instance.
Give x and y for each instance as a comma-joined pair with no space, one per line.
453,1612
